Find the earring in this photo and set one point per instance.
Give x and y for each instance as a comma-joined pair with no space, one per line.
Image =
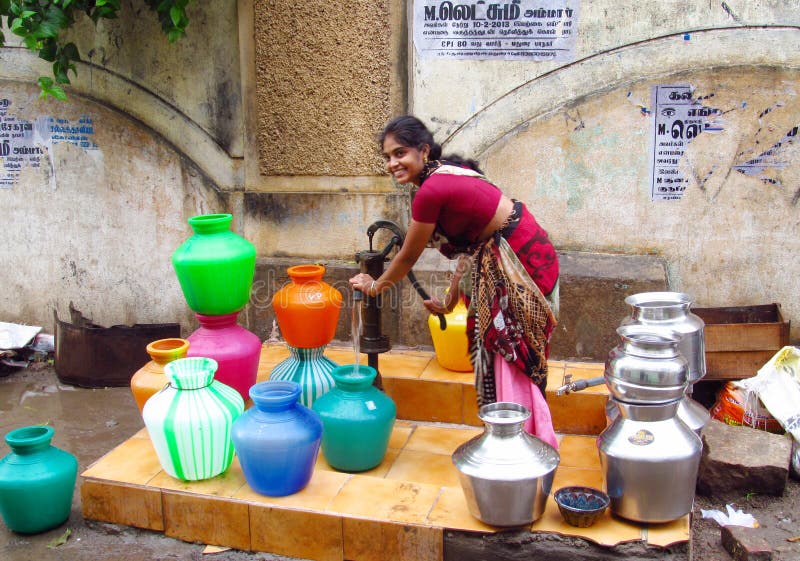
425,160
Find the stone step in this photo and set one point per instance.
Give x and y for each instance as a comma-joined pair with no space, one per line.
425,391
409,508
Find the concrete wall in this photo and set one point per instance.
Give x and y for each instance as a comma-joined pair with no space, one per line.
572,140
152,133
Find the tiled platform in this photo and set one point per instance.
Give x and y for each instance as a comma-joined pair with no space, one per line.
399,510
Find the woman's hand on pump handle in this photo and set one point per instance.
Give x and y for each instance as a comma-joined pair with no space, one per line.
365,283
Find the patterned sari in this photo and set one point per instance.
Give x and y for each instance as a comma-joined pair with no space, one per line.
508,313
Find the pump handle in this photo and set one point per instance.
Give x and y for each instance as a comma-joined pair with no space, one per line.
398,239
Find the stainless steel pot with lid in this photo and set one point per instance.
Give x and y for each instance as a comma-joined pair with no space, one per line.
646,367
670,311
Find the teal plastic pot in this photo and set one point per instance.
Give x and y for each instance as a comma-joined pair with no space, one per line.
37,481
357,419
215,266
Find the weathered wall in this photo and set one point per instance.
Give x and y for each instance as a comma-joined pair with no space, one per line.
572,140
155,136
97,227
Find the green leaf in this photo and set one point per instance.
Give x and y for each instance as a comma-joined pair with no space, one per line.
48,51
27,14
65,536
174,35
175,14
16,25
70,51
31,43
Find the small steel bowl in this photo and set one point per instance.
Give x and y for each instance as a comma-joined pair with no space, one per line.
581,506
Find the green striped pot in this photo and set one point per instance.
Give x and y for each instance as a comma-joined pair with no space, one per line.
308,367
190,419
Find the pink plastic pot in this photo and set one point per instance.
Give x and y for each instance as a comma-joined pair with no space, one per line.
236,350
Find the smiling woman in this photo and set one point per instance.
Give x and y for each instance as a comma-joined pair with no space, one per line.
514,266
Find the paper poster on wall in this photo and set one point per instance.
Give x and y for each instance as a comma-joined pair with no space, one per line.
678,117
23,143
515,30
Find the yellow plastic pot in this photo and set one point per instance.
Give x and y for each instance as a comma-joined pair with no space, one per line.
451,344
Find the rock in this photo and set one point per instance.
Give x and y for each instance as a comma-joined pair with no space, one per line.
737,458
745,544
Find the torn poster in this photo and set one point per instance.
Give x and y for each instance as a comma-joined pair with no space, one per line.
678,117
24,143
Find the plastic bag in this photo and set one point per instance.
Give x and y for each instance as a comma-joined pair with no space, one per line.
733,407
733,518
777,385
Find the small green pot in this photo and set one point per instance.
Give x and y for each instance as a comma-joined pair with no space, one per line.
357,420
37,481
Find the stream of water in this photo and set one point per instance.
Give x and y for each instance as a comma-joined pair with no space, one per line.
355,329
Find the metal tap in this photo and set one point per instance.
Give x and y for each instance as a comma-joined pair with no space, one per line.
568,386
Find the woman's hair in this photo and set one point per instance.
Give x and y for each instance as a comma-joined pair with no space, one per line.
410,131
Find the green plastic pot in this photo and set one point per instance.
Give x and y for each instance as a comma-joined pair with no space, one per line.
215,266
357,420
37,481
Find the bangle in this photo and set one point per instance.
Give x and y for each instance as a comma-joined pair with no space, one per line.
372,288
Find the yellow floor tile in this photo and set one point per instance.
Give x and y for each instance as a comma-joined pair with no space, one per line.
213,521
317,495
579,451
608,530
555,374
422,400
439,440
122,504
567,476
401,432
435,371
286,532
133,461
385,500
403,365
224,485
469,407
368,540
344,355
578,413
378,471
664,535
451,511
424,467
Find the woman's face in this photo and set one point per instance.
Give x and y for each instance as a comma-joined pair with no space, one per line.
404,163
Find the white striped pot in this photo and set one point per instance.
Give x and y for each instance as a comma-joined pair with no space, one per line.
310,368
190,420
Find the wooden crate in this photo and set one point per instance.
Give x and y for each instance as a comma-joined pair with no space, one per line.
741,339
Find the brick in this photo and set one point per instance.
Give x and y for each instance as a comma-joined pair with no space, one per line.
745,544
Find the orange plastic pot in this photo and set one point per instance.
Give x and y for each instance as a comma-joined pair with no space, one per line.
150,378
307,308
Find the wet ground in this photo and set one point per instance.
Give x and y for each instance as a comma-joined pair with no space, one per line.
90,422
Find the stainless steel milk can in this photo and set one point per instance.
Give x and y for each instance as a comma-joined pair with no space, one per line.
670,311
649,456
506,474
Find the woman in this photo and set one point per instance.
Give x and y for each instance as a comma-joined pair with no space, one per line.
513,264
